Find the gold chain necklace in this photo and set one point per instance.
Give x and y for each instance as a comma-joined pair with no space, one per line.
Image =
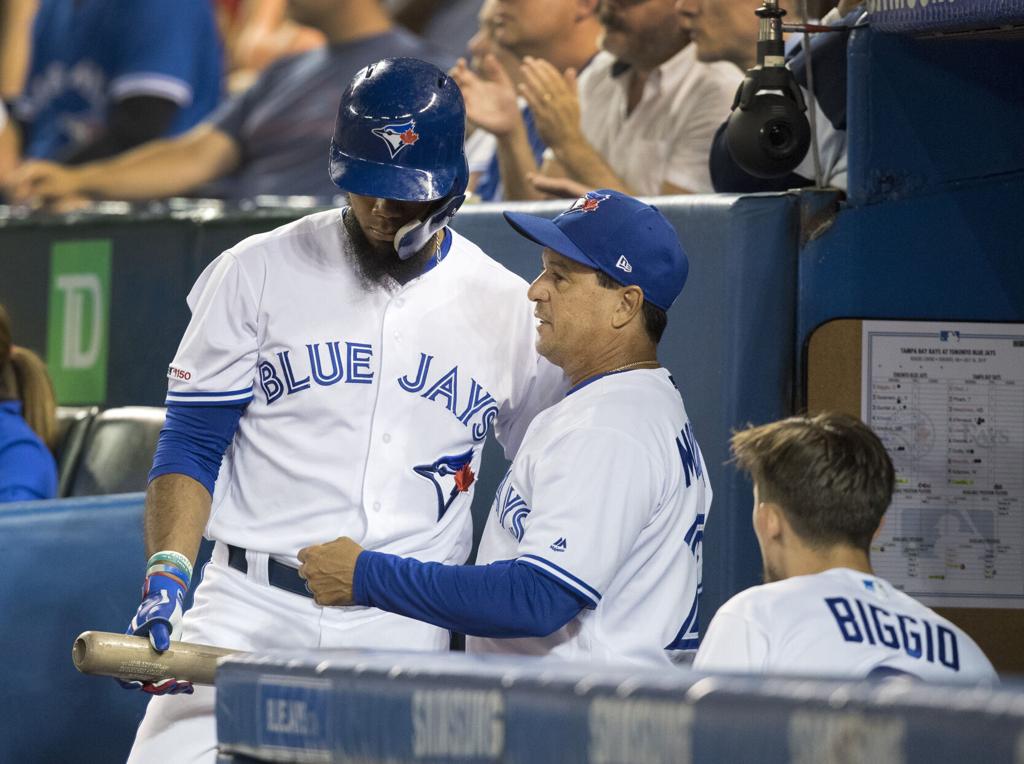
438,238
635,365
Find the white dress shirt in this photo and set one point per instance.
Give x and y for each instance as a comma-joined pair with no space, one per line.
667,136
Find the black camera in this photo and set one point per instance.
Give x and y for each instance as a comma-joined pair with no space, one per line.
768,133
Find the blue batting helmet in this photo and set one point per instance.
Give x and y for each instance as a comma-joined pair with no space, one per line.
400,133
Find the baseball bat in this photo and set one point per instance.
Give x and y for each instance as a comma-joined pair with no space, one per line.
105,653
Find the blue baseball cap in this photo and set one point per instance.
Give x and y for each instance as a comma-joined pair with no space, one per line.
614,233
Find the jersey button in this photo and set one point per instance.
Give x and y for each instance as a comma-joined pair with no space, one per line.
376,506
386,438
399,302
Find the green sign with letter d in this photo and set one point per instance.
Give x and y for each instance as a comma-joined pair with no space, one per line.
77,329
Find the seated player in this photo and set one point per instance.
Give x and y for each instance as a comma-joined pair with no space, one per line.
821,487
592,549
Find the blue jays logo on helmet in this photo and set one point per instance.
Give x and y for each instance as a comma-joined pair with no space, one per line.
397,136
458,468
588,203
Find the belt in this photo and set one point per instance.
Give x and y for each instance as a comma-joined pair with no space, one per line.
278,574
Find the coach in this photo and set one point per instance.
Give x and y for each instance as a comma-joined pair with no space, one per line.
592,548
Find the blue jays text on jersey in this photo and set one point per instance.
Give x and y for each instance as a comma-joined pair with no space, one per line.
325,364
509,507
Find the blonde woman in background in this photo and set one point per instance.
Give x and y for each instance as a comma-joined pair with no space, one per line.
28,425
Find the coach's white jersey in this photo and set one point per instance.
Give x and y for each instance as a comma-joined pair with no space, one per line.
368,407
608,494
838,623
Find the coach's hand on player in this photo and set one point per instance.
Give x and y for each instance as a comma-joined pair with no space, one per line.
159,615
329,569
490,96
553,102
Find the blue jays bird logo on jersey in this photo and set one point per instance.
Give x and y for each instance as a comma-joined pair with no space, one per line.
456,467
588,203
398,136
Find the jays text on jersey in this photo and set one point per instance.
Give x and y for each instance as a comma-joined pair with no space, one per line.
608,494
838,623
368,407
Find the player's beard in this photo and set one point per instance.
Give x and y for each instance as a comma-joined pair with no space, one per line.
376,262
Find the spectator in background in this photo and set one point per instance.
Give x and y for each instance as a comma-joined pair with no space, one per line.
645,115
722,29
482,146
268,140
720,25
107,75
28,426
563,32
8,144
16,17
448,24
258,33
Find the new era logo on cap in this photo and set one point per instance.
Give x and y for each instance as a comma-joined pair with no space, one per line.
623,264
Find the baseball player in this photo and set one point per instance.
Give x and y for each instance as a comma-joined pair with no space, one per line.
821,487
348,367
592,550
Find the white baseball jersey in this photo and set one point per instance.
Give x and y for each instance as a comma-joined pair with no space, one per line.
368,408
838,623
608,494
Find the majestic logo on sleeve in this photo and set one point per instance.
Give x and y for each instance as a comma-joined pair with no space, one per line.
455,467
398,136
588,203
510,507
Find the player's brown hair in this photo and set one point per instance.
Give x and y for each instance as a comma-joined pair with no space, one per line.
655,319
829,473
23,377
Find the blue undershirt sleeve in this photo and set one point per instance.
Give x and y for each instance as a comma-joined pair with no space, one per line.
193,441
505,599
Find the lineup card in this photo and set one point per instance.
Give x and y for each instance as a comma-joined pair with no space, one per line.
947,400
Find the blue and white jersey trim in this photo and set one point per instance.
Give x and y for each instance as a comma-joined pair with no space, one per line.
592,595
199,398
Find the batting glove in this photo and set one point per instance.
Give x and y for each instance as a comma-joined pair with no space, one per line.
159,614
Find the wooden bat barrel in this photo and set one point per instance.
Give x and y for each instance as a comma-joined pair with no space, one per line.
126,657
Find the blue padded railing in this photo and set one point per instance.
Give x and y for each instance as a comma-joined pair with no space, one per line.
924,16
404,707
68,566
